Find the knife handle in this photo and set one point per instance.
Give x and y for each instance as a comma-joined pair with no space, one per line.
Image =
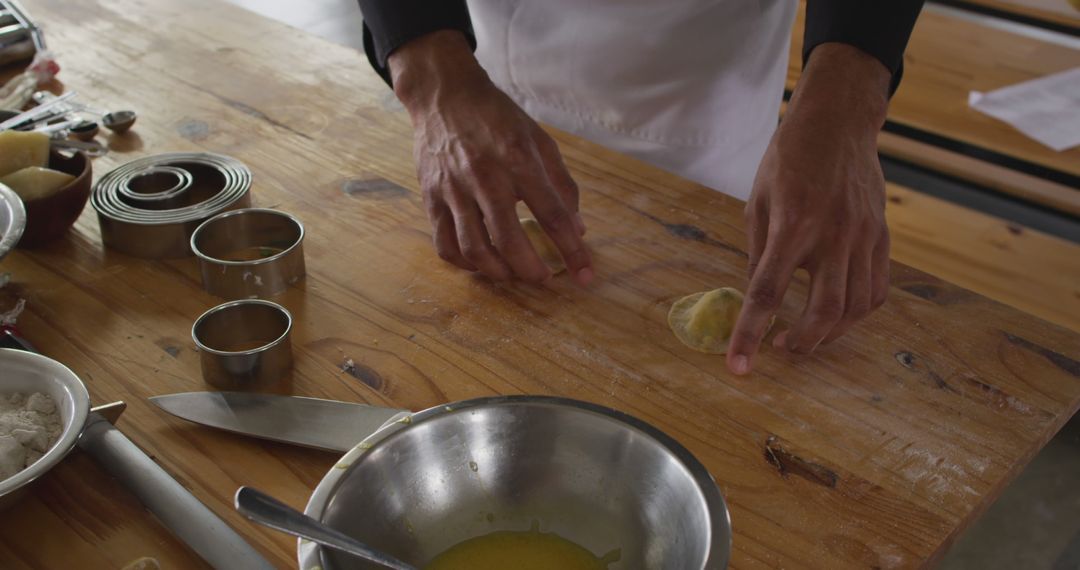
171,503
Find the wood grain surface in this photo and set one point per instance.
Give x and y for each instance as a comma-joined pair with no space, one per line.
946,59
1064,12
875,451
1018,266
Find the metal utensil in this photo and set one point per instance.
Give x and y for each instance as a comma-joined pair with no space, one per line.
593,475
270,512
20,37
119,122
244,343
253,252
144,223
116,121
85,130
91,148
57,127
36,112
310,422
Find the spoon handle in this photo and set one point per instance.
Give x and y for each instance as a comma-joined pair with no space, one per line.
270,512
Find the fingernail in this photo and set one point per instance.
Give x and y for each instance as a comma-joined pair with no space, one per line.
580,223
740,364
585,276
779,340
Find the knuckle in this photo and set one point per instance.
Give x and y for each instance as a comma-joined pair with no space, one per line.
858,310
555,219
764,298
498,202
474,252
570,188
577,258
518,146
742,339
780,228
503,241
432,194
481,163
827,312
866,234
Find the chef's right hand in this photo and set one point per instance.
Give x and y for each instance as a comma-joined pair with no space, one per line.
477,154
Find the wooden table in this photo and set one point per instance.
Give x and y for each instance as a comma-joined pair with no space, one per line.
874,452
1056,13
946,59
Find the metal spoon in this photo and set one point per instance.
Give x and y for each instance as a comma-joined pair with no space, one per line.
270,512
91,148
36,112
119,121
85,130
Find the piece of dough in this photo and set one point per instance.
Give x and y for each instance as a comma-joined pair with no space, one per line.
35,182
704,321
543,245
19,150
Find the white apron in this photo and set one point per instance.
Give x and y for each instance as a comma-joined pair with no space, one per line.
691,86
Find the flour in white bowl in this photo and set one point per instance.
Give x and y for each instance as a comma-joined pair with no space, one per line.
29,426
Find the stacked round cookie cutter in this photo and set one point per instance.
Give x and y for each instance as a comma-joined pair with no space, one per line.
177,204
246,254
151,206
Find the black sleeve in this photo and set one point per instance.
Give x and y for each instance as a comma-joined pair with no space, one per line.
389,24
880,28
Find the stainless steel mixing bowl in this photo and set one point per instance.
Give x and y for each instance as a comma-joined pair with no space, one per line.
593,475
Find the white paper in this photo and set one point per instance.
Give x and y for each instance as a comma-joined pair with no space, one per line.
1046,109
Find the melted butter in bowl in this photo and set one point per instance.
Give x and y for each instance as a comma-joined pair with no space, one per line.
520,550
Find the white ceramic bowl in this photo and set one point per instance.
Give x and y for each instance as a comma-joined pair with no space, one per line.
22,371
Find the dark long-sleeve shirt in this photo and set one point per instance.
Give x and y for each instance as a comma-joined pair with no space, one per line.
880,28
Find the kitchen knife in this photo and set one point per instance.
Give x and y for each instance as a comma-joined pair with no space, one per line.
322,424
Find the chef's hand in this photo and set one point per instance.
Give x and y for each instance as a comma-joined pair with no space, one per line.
477,154
818,203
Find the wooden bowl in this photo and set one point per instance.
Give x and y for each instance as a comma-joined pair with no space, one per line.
49,218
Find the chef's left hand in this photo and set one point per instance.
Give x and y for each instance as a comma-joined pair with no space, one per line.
818,203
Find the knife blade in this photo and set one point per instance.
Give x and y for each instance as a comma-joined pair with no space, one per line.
328,425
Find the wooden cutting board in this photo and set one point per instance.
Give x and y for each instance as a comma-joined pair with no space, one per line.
875,451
